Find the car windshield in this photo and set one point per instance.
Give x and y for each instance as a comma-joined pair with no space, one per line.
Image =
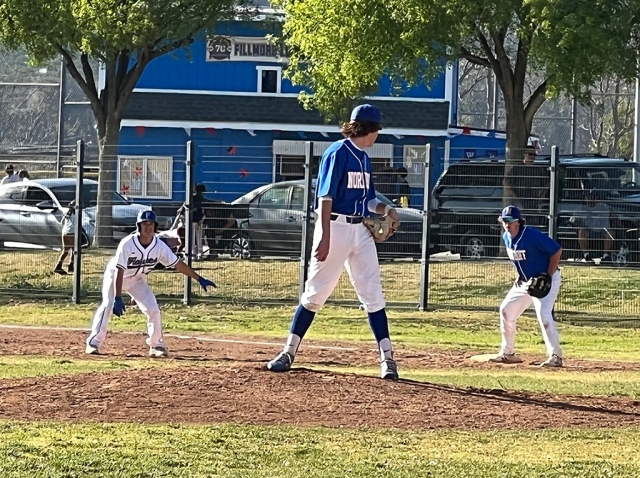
66,194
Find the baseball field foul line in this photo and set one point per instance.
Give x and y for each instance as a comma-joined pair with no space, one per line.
184,337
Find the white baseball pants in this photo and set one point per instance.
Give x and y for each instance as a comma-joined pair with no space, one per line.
138,288
351,247
516,302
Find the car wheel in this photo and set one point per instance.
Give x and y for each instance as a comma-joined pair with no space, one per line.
241,247
473,245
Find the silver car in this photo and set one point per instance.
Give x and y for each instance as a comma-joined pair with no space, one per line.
31,212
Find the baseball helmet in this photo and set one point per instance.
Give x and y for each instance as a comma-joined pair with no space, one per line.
148,215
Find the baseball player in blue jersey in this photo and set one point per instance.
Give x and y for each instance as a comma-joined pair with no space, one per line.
345,195
536,257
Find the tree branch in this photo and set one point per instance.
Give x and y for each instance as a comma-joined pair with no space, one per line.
534,103
89,91
520,69
121,70
170,47
88,72
506,73
476,60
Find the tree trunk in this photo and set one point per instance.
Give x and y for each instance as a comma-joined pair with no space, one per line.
517,137
107,183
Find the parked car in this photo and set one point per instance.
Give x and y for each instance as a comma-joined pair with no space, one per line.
275,218
468,197
31,211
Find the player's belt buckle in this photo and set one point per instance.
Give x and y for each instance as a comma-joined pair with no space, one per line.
347,219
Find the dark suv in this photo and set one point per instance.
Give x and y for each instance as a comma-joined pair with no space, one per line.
468,197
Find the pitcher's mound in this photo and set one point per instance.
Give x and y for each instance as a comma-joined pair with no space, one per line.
487,357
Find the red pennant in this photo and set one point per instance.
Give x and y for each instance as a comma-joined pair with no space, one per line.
232,150
244,173
466,130
211,131
140,130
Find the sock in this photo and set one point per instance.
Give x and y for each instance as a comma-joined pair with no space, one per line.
380,327
301,322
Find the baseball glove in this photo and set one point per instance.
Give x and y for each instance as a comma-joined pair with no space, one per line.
381,228
539,286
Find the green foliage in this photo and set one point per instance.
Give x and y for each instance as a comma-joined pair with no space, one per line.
342,47
104,28
133,450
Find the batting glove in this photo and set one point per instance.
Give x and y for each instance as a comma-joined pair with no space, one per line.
204,283
118,306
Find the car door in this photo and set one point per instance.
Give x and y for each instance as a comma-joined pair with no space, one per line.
41,226
10,204
272,223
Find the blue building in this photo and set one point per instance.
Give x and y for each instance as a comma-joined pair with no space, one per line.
229,97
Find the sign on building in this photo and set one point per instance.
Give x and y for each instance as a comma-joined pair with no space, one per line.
220,48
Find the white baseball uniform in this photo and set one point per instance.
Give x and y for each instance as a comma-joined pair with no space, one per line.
136,261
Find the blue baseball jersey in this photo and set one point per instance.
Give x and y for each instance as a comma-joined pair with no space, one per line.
530,251
345,175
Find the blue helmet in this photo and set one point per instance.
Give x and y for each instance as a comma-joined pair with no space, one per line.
148,215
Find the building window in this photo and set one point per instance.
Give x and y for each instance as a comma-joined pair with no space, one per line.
269,79
145,176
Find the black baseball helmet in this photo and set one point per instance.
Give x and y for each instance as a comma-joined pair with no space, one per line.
148,215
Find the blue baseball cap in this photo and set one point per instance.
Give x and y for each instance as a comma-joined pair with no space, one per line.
510,214
366,113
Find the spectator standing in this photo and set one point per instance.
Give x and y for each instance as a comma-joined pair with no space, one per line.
68,236
11,177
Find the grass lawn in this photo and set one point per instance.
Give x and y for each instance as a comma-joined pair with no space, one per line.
239,451
34,366
599,292
446,329
129,450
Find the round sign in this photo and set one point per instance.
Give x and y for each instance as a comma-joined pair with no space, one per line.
219,48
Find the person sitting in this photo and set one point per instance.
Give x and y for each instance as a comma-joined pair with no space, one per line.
594,222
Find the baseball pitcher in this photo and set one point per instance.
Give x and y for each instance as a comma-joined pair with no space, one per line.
127,271
344,237
536,257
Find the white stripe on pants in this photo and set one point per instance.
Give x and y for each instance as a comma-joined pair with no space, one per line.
138,288
516,302
351,247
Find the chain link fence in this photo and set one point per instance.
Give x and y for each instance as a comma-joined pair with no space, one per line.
250,238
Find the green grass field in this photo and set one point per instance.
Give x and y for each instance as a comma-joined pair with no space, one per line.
75,449
599,292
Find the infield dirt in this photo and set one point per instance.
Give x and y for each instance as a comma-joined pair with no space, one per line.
230,385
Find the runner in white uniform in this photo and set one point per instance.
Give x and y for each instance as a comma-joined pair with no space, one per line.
136,256
345,195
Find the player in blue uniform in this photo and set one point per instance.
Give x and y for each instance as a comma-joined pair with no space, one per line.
345,195
532,253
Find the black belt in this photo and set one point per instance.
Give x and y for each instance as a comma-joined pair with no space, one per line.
349,219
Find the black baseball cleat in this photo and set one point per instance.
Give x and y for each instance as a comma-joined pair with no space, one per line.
389,369
281,363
